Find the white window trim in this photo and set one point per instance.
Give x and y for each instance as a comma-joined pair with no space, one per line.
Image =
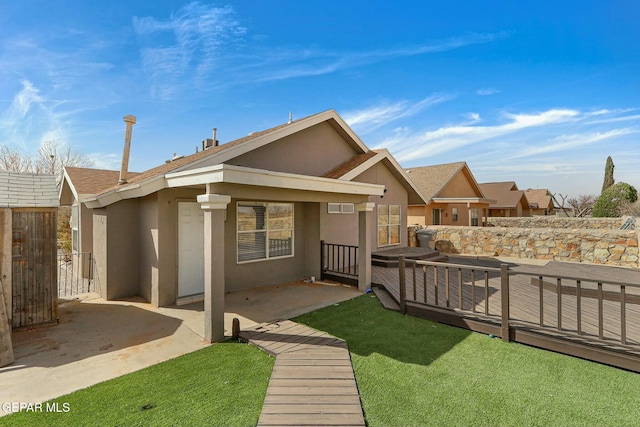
74,225
389,225
266,230
340,208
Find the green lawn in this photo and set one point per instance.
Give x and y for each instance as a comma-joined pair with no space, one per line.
414,372
221,385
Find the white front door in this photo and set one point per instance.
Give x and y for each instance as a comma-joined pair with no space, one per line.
190,249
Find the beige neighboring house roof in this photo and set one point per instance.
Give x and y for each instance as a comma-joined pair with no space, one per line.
506,194
539,199
431,180
28,190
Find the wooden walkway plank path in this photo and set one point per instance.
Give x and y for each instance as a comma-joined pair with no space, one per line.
312,382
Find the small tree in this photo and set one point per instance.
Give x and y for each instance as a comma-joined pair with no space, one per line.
582,205
609,202
608,175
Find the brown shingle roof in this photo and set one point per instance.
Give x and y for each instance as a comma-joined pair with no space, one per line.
183,161
346,167
503,194
430,180
94,181
541,198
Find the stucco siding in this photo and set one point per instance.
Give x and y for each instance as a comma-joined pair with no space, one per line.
396,195
149,249
166,291
313,151
116,249
459,186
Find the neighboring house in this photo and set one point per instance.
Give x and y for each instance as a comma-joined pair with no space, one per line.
509,201
541,201
247,213
452,193
28,262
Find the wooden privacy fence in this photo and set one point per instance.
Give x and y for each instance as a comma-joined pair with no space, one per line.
339,262
585,317
33,266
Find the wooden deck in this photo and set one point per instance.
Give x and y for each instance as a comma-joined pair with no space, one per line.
312,382
483,296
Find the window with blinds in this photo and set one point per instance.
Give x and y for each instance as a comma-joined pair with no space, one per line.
264,230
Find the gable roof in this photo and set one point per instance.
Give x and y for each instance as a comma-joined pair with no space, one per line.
504,194
206,164
431,180
359,163
539,198
28,190
224,152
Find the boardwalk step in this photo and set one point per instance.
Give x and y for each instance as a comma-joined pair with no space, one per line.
386,299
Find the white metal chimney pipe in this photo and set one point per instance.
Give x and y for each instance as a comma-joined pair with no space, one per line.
124,169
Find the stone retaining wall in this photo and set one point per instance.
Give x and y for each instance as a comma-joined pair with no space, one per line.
613,247
558,222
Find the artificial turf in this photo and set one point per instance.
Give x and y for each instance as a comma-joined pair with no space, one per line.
414,372
221,385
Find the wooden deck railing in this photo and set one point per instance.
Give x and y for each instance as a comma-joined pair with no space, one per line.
528,306
339,262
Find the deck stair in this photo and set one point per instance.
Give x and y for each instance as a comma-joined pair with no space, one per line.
389,257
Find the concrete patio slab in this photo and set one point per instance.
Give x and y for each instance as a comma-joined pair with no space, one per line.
97,340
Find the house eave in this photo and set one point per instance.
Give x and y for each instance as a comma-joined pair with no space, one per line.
264,178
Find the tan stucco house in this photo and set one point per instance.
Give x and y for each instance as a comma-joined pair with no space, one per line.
509,201
247,213
541,201
452,193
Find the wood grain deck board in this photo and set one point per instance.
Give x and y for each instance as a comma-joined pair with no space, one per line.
312,382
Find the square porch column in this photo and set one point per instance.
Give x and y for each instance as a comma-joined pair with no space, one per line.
214,206
364,245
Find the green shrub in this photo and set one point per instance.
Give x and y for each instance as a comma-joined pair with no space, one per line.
608,204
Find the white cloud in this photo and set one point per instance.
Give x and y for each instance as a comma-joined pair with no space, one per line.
565,142
412,146
368,120
487,91
190,43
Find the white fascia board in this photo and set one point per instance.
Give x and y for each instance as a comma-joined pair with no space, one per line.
462,200
126,192
263,178
66,180
383,154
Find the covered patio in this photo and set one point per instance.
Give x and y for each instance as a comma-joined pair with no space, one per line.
97,340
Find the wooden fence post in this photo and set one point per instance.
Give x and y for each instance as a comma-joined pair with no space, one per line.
321,260
504,293
403,284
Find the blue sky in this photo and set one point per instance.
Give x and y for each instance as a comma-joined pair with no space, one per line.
539,92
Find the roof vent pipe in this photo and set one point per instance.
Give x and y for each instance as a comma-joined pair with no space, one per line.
124,169
215,141
290,117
